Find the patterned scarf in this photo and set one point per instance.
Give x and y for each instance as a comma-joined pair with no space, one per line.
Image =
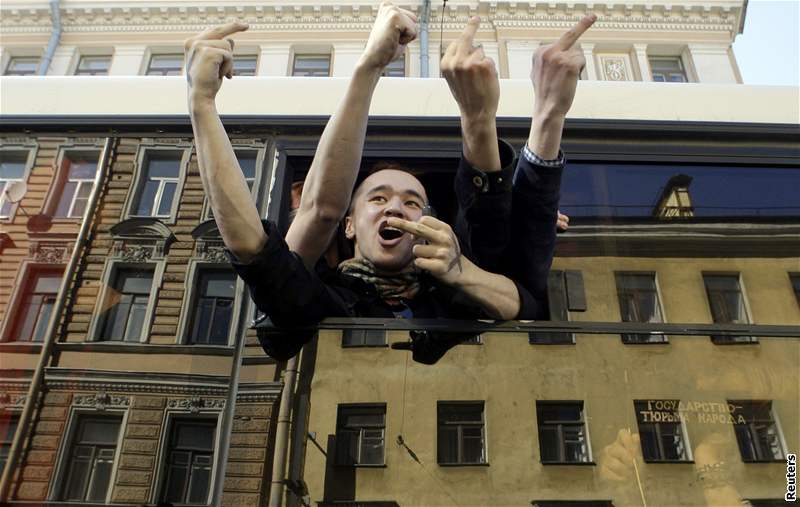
392,287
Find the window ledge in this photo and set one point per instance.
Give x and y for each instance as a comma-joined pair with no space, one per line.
764,461
734,343
146,348
568,344
365,346
569,463
361,466
23,347
668,462
450,465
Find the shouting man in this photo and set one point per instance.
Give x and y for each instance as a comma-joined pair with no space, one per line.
406,264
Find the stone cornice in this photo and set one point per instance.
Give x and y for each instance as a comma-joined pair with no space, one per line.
177,17
181,385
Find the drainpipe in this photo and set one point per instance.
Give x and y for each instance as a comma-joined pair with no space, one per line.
52,326
276,489
55,36
423,39
223,446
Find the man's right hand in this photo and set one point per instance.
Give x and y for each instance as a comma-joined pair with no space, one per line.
473,81
471,75
556,69
209,58
393,30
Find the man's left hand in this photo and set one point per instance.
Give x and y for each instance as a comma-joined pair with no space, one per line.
441,256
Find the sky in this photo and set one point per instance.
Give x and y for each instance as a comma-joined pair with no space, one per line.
768,51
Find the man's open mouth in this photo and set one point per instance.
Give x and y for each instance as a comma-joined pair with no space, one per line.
390,233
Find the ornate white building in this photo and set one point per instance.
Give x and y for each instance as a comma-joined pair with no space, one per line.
646,40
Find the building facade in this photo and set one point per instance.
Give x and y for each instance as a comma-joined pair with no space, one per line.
667,376
677,41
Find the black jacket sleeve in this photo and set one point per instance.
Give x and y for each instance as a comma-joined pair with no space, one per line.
283,288
536,191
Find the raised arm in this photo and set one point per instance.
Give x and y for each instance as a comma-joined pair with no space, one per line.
209,58
327,189
556,69
473,81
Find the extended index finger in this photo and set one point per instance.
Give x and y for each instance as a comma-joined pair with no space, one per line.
222,31
415,228
572,35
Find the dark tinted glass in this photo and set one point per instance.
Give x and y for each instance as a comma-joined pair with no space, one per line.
633,190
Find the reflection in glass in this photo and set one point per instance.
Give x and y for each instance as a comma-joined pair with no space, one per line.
628,191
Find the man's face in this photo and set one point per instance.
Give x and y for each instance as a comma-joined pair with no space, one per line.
387,193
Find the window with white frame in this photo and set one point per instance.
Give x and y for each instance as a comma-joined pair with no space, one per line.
77,176
188,462
668,69
461,438
727,305
757,431
213,308
638,302
36,306
661,431
248,163
317,65
158,183
8,427
562,432
360,434
245,65
12,170
90,460
165,64
126,303
22,66
93,65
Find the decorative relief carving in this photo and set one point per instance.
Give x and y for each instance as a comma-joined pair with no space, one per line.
11,401
101,401
614,69
49,253
212,251
133,253
196,403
